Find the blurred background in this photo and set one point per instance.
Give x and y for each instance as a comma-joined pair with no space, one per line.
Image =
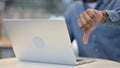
33,9
28,9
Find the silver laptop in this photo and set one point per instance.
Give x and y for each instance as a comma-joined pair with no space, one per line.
42,41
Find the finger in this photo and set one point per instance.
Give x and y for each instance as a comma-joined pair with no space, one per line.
86,37
87,32
92,27
84,28
83,21
91,13
97,12
88,19
98,16
79,24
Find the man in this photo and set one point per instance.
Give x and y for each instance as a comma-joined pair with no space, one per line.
103,40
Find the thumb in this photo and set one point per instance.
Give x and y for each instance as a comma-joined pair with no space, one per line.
87,33
86,37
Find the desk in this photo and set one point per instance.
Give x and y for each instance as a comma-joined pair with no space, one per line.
14,63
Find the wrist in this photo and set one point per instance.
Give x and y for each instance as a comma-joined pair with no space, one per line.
104,18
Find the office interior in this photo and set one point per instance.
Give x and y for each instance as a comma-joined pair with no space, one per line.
29,9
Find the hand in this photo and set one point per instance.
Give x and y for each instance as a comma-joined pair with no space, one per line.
5,42
88,21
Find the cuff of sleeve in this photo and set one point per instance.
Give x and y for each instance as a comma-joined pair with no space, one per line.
113,15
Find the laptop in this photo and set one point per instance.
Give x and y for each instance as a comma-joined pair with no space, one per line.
40,40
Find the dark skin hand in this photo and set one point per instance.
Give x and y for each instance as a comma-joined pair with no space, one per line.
88,21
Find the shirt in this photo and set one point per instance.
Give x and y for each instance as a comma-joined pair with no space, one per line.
104,41
92,5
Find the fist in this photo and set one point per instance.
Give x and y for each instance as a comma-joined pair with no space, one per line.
88,21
